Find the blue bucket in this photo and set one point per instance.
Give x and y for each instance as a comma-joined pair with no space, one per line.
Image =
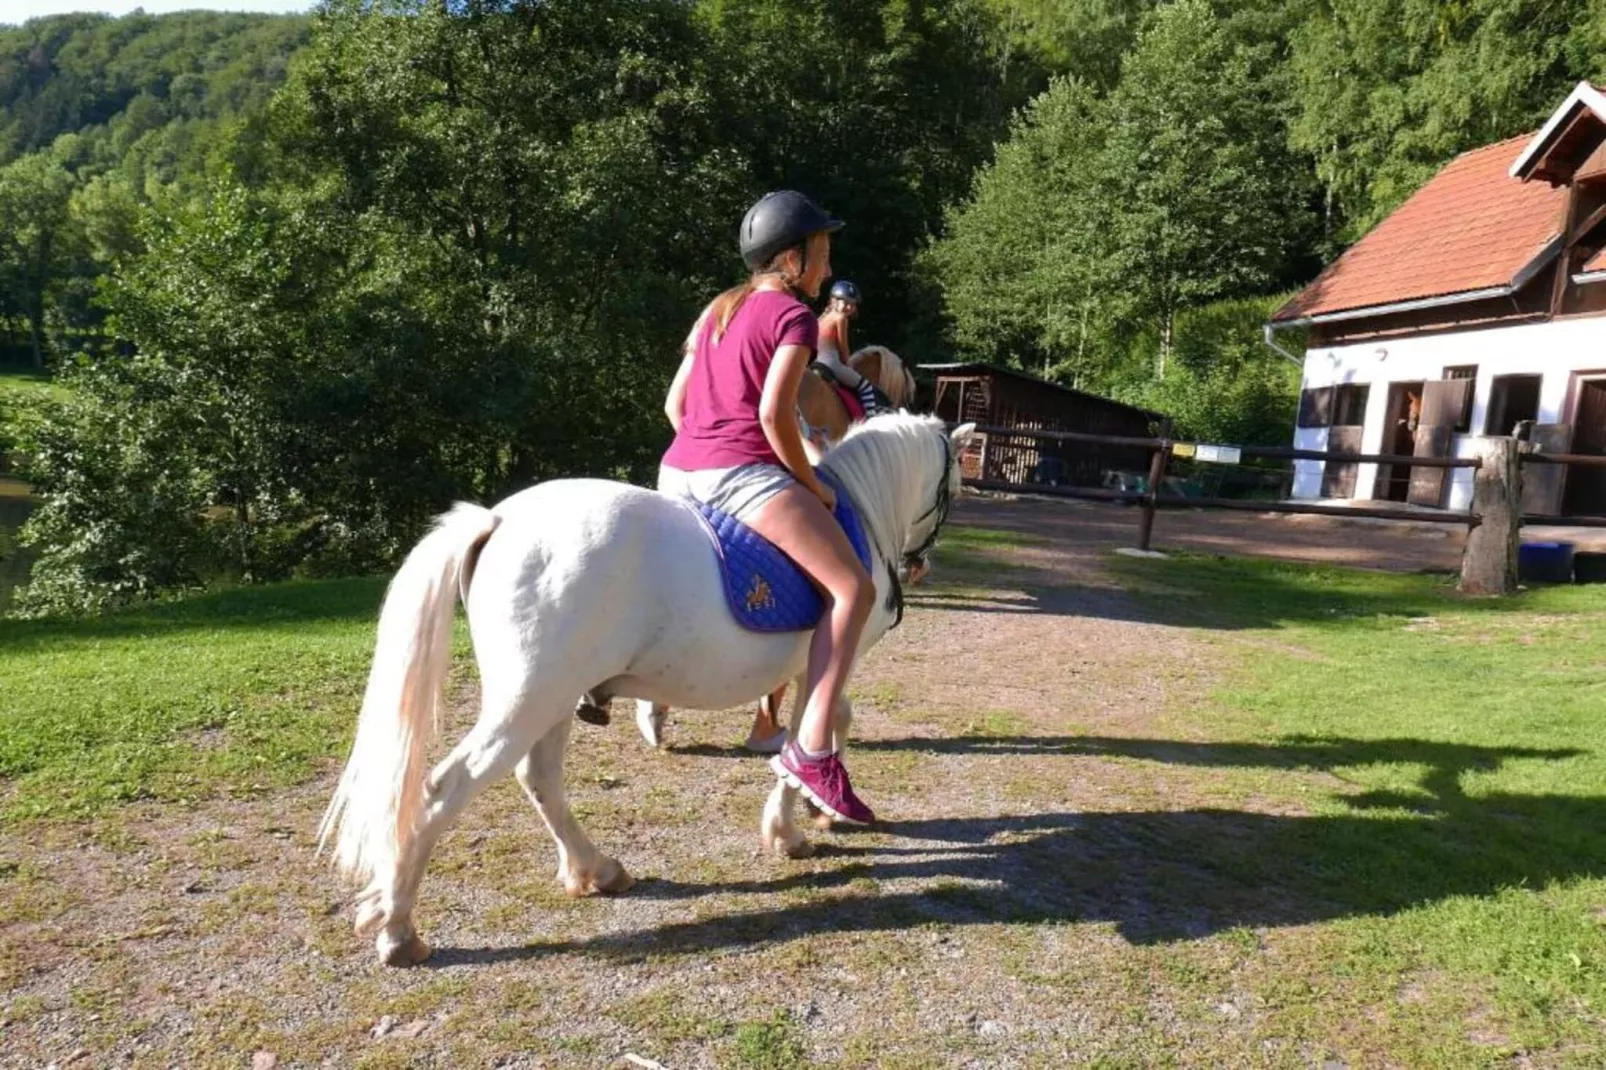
1545,562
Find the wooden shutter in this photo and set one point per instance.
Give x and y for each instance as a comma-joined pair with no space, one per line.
1338,477
1443,402
1316,407
1442,405
1427,484
1542,483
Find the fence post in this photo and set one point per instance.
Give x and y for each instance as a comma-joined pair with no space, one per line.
1489,563
1157,464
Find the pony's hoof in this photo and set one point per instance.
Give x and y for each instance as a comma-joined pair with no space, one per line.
614,879
402,953
610,879
650,720
793,849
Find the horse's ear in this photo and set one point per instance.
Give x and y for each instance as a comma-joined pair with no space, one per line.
962,435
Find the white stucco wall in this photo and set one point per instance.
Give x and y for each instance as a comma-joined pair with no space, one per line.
1555,350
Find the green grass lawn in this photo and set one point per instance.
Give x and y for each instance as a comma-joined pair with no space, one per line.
238,691
19,384
1440,762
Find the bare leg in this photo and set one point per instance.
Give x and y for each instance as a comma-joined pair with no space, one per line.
798,523
766,731
582,868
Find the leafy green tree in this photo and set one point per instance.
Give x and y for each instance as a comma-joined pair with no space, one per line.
1224,385
1200,200
1388,90
38,239
1082,39
1020,265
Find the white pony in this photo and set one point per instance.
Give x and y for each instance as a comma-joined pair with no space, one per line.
571,586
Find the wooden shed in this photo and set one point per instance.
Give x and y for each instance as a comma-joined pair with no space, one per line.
995,396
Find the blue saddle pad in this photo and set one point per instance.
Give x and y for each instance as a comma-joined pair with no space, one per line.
765,590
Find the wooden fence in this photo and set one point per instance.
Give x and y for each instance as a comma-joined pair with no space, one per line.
1489,563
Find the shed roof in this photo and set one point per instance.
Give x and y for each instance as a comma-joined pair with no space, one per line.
1474,231
977,368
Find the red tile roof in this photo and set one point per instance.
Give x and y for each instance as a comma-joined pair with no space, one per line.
1596,263
1471,227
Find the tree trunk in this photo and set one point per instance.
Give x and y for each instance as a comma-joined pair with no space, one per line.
1167,324
36,330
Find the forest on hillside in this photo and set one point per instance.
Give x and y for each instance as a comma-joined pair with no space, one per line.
309,279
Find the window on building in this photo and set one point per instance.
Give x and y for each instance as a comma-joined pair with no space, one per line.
1349,404
1468,372
1512,399
1316,407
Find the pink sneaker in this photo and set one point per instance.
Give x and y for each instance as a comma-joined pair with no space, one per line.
824,782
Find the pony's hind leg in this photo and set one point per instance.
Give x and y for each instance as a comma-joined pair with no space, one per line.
582,868
489,750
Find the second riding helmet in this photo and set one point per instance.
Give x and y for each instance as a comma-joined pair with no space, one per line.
779,221
843,290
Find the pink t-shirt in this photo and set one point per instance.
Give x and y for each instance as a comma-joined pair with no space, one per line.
720,426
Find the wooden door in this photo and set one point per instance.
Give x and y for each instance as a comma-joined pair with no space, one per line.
1586,487
1442,405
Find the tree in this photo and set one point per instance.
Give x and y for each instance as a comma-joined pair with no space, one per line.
1200,203
38,239
1103,218
1387,92
1081,39
1020,262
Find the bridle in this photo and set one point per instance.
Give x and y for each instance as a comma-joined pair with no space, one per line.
939,509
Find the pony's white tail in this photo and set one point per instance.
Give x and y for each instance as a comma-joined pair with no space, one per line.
379,801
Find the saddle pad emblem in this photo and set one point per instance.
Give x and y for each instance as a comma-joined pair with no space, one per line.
766,592
759,596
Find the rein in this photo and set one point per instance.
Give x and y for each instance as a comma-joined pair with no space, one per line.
940,507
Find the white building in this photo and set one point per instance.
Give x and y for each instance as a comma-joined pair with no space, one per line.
1478,304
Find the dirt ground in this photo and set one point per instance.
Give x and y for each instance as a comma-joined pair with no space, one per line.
990,921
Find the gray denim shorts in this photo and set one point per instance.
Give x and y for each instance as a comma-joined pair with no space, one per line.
738,491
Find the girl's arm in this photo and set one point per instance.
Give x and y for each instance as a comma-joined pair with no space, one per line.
675,403
777,414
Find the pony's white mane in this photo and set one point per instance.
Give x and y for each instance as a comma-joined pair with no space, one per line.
883,464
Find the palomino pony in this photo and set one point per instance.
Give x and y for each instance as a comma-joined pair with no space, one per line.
823,407
571,586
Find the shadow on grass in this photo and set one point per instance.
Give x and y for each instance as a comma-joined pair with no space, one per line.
279,605
1162,876
1198,591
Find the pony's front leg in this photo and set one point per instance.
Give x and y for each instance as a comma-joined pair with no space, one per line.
582,868
777,829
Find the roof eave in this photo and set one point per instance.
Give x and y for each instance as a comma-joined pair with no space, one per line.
1583,95
1488,293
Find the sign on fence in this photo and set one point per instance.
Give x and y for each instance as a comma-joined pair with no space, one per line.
1202,451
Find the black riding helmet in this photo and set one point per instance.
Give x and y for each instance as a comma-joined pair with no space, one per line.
778,222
